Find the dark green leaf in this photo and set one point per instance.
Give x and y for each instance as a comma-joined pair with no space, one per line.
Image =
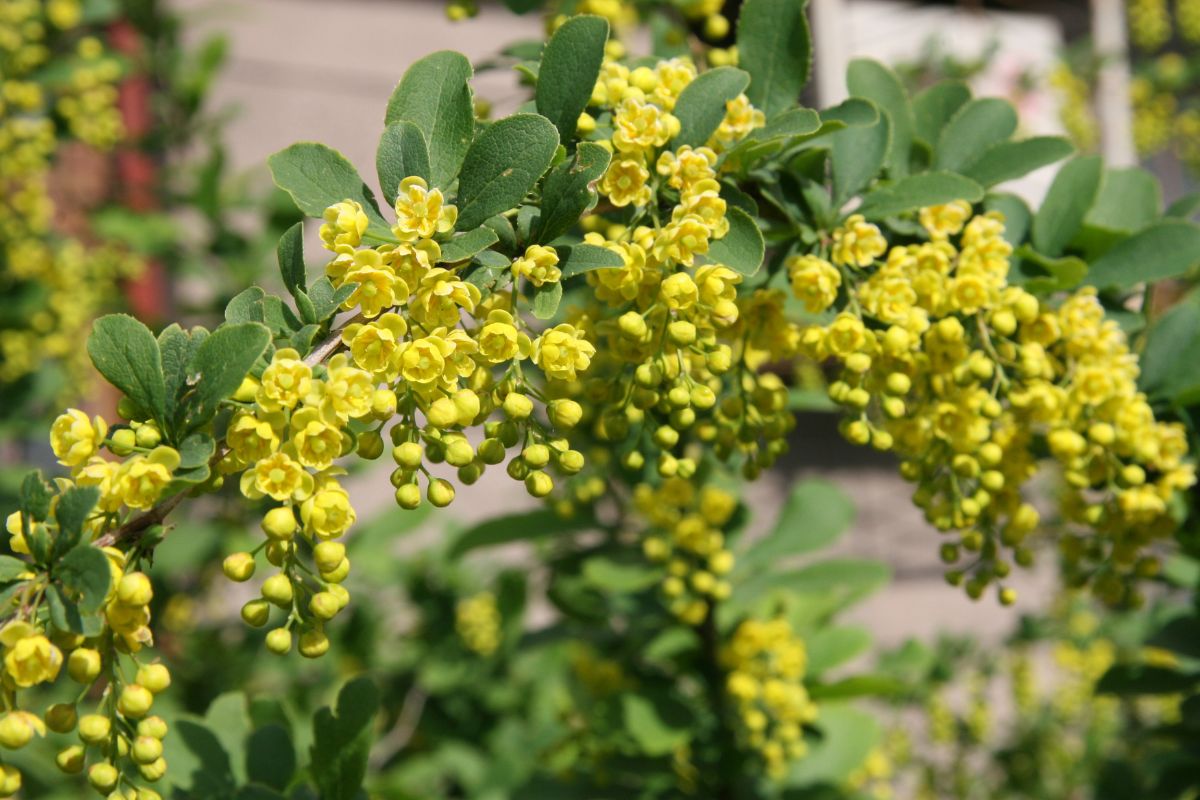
933,108
831,647
71,511
318,177
1166,250
858,686
1168,366
1127,679
857,155
219,365
919,191
701,105
569,67
86,574
11,568
462,247
1185,207
1066,204
607,574
527,526
568,192
290,254
66,617
1008,160
973,129
742,248
34,497
643,720
127,355
246,306
502,165
1017,217
435,95
1042,275
402,153
774,46
580,258
872,80
848,735
271,757
342,741
177,347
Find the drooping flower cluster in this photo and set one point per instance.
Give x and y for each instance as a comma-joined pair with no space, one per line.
57,284
965,377
765,663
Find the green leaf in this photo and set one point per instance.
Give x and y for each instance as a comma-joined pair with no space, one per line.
701,105
872,80
975,127
935,106
402,153
643,720
290,254
1066,204
843,581
34,497
465,246
621,577
848,735
580,258
1017,217
546,299
1168,367
1126,679
11,568
1042,275
919,191
569,67
774,46
318,177
1166,250
857,155
66,616
246,306
85,573
526,526
815,514
71,511
832,647
127,355
219,365
858,686
342,741
568,192
271,756
502,165
742,248
1185,207
435,95
177,347
1129,200
1008,160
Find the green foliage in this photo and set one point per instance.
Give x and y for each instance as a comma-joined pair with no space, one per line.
434,95
402,152
567,193
127,355
569,67
502,164
317,177
774,46
701,105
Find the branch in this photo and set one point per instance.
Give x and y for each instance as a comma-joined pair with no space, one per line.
135,528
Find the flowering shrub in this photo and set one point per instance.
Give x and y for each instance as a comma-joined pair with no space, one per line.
606,293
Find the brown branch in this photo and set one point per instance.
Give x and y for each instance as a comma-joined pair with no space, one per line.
135,528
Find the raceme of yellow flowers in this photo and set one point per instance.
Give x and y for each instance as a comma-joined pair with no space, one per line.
961,375
41,107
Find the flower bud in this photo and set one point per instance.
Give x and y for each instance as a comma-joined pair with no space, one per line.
62,717
135,701
94,728
442,413
103,777
370,445
408,454
152,726
440,492
279,641
517,406
71,759
256,612
324,605
280,523
123,441
338,573
135,589
313,643
84,665
538,483
146,749
155,677
408,496
238,567
277,589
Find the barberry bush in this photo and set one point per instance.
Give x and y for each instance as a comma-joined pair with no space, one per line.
606,295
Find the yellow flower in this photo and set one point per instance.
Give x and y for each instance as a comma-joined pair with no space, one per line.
673,75
347,391
679,292
440,298
345,224
74,438
141,480
317,442
740,119
681,240
945,220
102,474
328,513
499,339
32,660
250,437
421,212
285,381
562,352
686,167
624,182
815,281
539,265
377,290
423,361
373,346
279,477
639,126
857,243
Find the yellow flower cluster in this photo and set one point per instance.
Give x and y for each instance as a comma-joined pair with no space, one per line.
685,536
57,283
477,622
765,663
968,378
118,738
1149,23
